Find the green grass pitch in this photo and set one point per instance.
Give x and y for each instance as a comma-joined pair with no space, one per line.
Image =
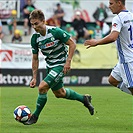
113,112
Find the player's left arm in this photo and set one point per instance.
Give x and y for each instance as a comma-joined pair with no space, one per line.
72,47
108,39
65,38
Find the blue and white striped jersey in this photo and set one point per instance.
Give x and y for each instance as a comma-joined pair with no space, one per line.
123,23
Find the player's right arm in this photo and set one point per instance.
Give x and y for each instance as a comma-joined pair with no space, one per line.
108,39
35,60
35,64
116,28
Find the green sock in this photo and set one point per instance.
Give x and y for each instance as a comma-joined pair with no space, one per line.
72,95
41,101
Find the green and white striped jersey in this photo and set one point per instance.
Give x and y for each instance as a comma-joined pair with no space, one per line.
52,45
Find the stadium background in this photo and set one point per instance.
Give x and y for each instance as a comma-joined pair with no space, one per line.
89,67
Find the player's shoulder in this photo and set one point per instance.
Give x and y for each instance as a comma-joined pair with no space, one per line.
120,16
124,14
35,33
53,29
34,36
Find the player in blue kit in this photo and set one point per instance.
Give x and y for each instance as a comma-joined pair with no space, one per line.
122,32
52,42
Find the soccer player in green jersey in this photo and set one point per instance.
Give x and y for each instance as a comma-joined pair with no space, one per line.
52,42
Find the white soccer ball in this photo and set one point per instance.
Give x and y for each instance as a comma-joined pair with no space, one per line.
22,113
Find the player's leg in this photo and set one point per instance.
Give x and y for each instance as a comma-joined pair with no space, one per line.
67,93
113,81
119,84
42,97
56,77
43,89
55,82
118,79
127,75
41,101
70,94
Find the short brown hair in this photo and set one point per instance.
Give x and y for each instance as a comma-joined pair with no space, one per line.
37,14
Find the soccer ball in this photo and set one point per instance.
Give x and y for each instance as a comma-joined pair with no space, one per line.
22,113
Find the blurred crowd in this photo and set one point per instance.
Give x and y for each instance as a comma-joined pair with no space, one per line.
79,28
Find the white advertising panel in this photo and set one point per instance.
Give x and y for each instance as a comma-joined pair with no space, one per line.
18,56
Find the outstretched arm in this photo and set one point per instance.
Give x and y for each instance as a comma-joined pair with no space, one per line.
108,39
